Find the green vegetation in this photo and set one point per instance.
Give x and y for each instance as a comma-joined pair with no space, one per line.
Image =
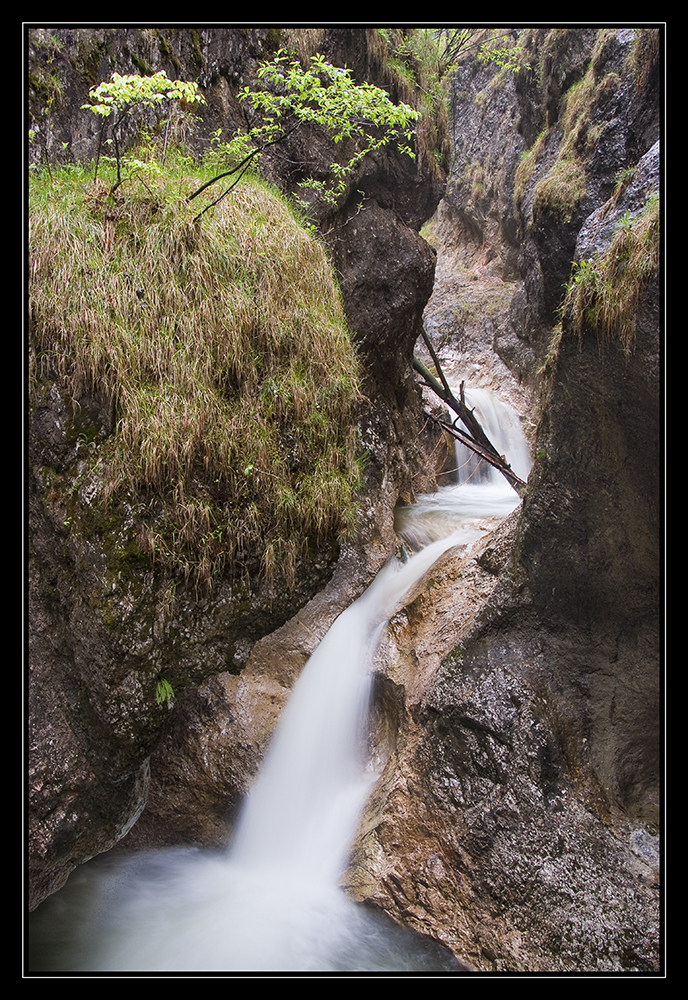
561,191
328,98
164,692
488,45
527,166
116,99
646,55
603,292
419,62
222,350
474,175
409,61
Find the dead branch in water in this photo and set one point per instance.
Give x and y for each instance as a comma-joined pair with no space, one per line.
498,463
475,437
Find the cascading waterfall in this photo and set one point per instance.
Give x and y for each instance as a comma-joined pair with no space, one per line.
481,493
271,903
503,428
304,808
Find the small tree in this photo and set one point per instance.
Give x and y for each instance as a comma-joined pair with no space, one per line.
326,97
455,42
115,99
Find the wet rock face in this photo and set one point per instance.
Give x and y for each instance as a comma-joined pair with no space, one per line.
526,734
523,788
387,274
516,713
514,821
508,224
104,628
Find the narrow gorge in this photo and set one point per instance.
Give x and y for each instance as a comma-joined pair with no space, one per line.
507,805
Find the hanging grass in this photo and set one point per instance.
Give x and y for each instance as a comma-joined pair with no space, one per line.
603,292
223,349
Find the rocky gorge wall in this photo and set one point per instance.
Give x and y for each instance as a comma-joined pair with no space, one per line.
523,785
517,702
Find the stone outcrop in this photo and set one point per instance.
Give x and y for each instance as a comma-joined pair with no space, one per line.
522,788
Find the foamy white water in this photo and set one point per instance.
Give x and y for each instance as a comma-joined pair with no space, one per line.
482,496
303,811
270,903
503,427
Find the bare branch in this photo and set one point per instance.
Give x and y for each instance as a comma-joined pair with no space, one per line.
475,438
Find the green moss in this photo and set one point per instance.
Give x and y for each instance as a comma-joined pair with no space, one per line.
527,166
144,68
561,191
197,49
169,54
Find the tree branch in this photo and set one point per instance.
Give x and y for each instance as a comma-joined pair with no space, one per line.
500,464
475,439
224,193
244,164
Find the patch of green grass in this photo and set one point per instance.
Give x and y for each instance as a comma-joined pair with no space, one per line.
603,292
527,165
222,347
410,63
561,191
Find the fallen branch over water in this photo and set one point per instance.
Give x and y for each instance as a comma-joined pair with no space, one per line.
499,463
475,437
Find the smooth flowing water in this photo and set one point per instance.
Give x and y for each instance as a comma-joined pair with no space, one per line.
271,902
481,495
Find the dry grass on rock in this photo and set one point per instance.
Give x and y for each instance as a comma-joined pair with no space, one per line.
222,347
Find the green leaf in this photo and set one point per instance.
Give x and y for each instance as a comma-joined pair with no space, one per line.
327,97
164,692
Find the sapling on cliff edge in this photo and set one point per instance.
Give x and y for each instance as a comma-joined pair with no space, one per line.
119,96
328,98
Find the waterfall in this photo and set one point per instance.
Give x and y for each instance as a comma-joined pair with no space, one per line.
504,430
482,495
304,808
270,902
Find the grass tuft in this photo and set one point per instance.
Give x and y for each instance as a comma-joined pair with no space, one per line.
604,292
222,348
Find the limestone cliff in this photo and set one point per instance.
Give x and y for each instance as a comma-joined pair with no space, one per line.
523,787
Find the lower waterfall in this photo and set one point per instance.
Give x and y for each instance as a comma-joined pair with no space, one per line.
270,902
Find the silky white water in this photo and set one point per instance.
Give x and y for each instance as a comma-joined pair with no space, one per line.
482,495
303,811
270,902
503,428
